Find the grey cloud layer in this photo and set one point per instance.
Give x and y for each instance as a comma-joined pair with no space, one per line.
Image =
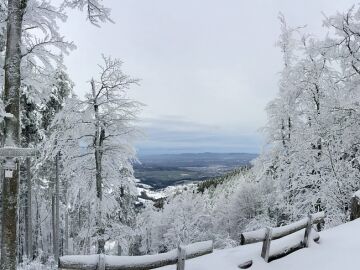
179,136
210,61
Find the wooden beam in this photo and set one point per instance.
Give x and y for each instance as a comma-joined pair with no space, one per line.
285,252
259,235
12,152
90,262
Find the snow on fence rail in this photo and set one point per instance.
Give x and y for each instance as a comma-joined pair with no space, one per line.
104,262
268,234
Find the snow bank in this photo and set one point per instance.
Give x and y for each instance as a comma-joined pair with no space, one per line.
337,250
357,194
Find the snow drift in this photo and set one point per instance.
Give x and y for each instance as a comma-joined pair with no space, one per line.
338,249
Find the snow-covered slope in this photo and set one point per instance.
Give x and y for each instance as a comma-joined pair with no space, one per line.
338,249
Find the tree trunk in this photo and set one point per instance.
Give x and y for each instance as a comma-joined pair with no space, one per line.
28,212
56,211
98,140
66,232
88,237
53,230
21,213
355,206
2,189
66,229
36,229
16,10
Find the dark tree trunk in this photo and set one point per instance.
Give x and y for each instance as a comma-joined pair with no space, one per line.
56,211
99,137
28,212
355,207
66,229
16,10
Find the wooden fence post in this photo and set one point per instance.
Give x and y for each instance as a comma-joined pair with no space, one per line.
119,249
101,263
181,253
355,206
266,244
308,231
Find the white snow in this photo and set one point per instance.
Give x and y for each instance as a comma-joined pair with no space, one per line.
125,262
155,194
338,249
81,259
357,194
259,235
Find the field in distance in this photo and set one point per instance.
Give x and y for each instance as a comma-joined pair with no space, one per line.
161,171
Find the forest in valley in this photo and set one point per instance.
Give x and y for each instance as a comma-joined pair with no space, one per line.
68,184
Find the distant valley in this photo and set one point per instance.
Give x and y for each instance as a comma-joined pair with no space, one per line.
161,171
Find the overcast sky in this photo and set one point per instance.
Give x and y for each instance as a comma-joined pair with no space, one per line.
207,67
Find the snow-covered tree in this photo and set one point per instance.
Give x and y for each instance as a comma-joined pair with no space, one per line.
95,136
312,158
29,38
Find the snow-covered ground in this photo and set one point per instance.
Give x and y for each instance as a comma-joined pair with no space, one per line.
338,249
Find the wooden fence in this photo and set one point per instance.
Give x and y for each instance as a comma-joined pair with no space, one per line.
105,262
179,255
268,234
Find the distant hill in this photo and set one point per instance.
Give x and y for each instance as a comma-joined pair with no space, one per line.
160,171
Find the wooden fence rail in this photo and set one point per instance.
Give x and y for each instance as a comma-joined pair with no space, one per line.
178,256
268,234
105,262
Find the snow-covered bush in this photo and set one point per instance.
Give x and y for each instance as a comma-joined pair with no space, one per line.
37,264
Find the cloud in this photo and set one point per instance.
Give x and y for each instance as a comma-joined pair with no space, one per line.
211,66
176,135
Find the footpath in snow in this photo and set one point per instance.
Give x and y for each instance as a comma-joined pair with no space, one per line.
338,249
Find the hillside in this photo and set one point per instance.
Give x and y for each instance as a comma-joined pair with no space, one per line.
338,249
